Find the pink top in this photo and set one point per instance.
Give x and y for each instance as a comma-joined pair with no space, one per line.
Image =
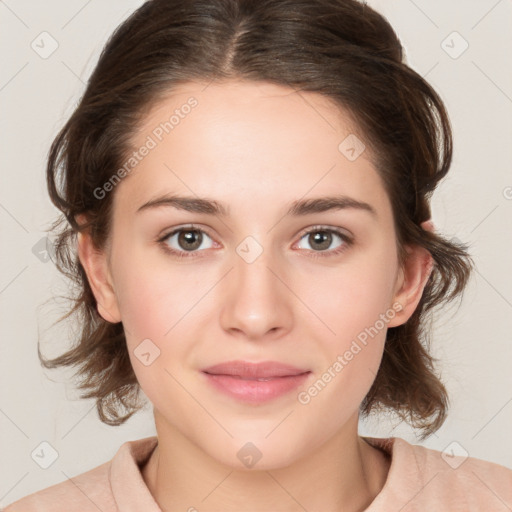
418,479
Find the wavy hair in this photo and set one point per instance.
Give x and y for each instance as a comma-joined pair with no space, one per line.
341,49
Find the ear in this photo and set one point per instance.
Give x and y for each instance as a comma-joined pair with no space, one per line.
412,280
95,264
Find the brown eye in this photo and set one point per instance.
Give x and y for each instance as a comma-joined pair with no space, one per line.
321,240
186,240
190,240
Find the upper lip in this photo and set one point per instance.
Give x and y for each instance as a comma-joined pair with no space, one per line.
255,370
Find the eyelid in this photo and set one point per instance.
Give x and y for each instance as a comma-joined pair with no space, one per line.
183,227
325,227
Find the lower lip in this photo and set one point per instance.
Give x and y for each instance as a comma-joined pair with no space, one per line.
255,391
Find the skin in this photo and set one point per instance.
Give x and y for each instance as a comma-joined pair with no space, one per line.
255,147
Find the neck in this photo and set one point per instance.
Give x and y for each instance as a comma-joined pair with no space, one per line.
181,476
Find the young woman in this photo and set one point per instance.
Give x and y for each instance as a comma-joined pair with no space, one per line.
245,187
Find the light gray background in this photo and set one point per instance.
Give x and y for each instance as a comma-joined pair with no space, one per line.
473,204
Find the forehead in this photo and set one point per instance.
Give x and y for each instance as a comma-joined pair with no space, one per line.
224,139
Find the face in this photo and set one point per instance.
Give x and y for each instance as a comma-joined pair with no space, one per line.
267,278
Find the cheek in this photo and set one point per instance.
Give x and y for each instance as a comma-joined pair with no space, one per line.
153,295
153,309
357,308
358,312
352,297
159,304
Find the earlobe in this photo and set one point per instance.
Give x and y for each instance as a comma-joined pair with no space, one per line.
411,283
98,274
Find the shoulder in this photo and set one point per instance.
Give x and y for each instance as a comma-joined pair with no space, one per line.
89,491
422,477
113,486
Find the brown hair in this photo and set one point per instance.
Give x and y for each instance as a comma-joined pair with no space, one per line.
340,48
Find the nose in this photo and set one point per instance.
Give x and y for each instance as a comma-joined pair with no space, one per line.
257,302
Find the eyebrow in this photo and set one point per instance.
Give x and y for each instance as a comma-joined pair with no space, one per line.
297,208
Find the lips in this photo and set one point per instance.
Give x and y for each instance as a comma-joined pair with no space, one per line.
255,383
254,371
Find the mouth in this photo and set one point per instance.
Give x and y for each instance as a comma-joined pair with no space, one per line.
255,382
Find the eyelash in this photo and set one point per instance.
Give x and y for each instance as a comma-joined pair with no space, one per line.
348,242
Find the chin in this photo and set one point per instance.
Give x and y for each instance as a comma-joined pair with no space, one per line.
257,451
